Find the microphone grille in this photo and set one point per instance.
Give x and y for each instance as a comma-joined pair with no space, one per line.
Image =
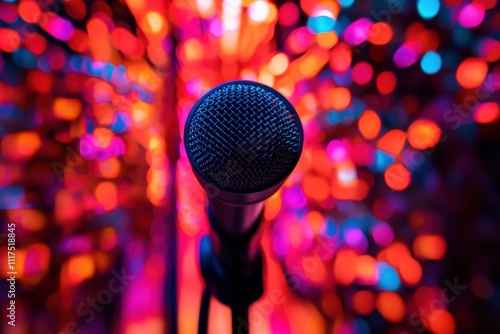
243,137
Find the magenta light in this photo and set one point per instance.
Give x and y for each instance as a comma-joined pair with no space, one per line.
61,29
471,15
358,31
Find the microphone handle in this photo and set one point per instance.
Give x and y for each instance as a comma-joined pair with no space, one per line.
235,234
235,220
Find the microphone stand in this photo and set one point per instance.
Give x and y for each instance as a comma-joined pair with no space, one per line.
232,268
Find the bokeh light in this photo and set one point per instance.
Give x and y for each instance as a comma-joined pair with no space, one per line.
471,15
428,9
487,112
423,134
397,181
471,72
431,62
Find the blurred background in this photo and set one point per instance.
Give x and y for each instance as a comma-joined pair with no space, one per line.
389,223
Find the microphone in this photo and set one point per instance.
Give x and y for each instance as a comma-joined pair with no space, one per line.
243,139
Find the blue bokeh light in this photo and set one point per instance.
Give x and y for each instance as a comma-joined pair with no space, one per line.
431,62
330,228
121,123
11,198
388,277
320,24
346,3
382,161
428,9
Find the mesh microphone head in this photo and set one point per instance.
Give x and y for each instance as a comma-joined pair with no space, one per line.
243,137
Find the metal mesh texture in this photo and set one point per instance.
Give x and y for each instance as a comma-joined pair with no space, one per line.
243,138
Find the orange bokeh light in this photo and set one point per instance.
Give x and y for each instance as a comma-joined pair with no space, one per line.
397,176
106,194
341,98
309,5
192,50
278,64
67,109
472,72
391,306
316,220
344,267
153,22
110,168
321,162
98,38
312,62
395,254
273,206
30,219
29,11
440,322
366,269
410,271
21,145
392,141
80,268
429,247
369,124
423,134
380,33
357,190
315,187
327,40
273,13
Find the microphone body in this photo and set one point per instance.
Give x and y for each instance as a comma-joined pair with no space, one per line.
243,139
226,214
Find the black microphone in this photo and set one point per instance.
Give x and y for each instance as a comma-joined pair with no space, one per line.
243,139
